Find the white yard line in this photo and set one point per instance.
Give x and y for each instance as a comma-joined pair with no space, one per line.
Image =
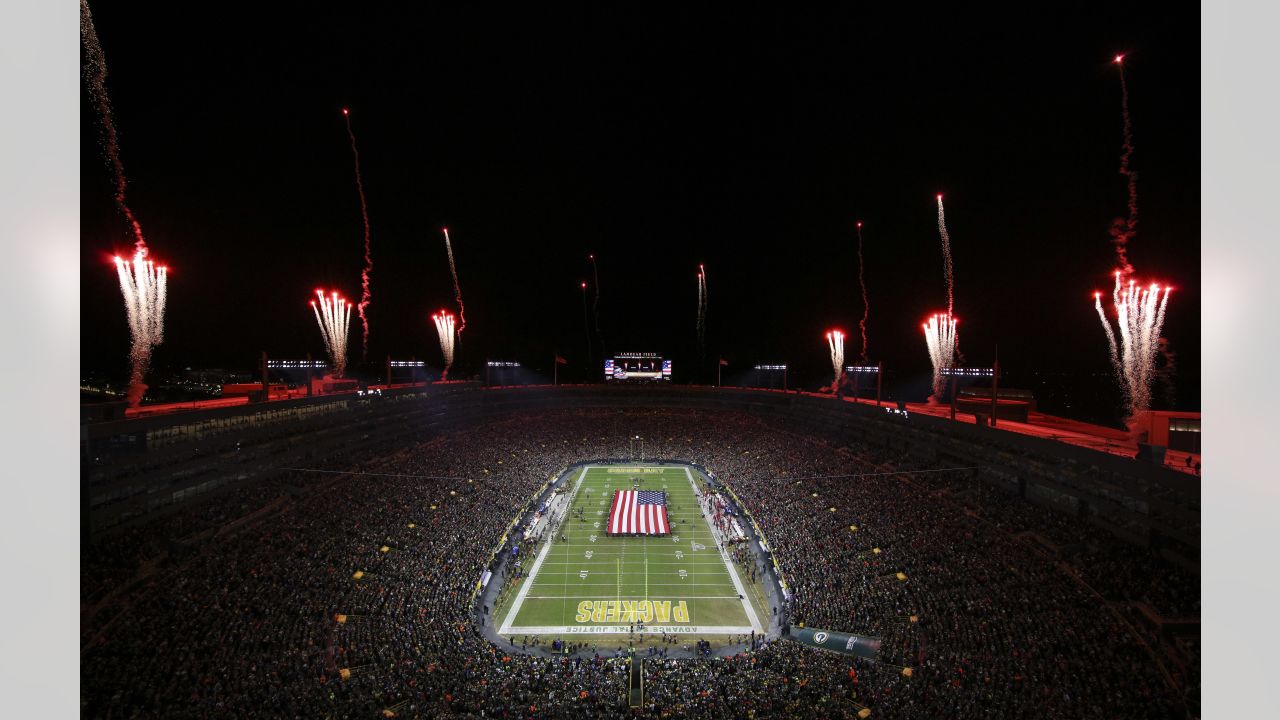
613,584
626,629
533,572
728,564
673,597
593,562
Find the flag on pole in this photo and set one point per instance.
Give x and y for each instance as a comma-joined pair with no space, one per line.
723,361
561,361
638,512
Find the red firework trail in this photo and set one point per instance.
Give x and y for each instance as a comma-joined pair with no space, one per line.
1123,229
95,74
866,305
586,327
365,296
457,289
595,307
946,256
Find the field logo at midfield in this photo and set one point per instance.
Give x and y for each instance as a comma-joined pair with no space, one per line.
632,611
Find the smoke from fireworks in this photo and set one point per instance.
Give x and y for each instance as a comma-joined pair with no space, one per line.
866,305
940,335
835,341
1123,229
142,282
445,329
365,295
333,315
457,290
1139,316
595,306
144,288
702,311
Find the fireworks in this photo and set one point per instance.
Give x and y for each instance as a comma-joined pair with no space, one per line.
445,329
1123,229
457,290
1139,311
333,315
586,325
1139,316
866,305
595,306
142,283
365,295
940,335
940,331
702,311
946,257
835,341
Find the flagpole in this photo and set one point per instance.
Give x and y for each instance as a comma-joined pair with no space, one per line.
555,369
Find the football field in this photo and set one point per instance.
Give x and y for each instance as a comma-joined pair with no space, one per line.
592,583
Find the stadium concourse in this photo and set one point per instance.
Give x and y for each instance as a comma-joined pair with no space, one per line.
346,594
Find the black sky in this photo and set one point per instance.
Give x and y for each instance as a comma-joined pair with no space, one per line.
657,139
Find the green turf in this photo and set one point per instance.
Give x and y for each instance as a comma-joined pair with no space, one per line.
684,566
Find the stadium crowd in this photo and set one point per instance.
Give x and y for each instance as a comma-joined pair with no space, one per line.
348,595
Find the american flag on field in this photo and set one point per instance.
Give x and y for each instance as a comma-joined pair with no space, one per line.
638,512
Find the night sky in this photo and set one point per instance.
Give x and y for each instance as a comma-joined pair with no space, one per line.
751,142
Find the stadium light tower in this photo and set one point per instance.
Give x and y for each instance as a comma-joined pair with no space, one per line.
955,373
857,371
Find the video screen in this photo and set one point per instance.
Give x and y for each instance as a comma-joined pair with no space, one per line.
637,369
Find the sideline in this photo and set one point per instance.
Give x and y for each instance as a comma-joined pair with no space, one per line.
728,563
537,564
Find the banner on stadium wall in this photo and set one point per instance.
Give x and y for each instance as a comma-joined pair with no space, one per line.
843,643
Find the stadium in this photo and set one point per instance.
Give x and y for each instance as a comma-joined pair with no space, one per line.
531,363
434,552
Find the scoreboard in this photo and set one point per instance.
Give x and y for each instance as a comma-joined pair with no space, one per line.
637,367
